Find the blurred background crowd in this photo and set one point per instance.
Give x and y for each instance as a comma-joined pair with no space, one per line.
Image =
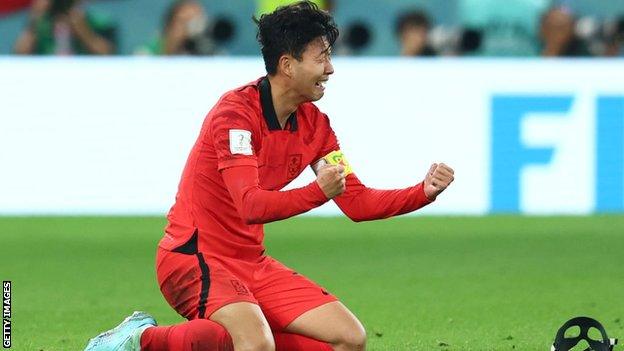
520,28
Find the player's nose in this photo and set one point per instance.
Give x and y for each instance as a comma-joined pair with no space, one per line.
329,68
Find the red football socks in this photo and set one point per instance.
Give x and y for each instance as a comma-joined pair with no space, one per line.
195,335
203,334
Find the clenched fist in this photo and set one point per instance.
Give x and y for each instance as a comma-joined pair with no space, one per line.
437,179
331,179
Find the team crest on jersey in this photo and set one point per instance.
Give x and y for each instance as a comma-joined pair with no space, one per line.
239,287
338,158
294,165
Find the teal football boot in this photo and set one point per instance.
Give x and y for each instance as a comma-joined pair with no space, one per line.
124,337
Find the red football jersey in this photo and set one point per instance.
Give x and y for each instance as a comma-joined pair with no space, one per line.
241,159
242,129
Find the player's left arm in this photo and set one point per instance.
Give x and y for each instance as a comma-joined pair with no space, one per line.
361,203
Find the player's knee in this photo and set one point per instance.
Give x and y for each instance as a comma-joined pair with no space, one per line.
260,343
354,338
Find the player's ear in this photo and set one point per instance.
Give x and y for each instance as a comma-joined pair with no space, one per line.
285,65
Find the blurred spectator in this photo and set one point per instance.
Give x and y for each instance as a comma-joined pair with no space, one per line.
500,28
62,27
187,30
412,28
615,45
557,34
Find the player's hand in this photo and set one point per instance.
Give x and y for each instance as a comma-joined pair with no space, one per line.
331,179
439,177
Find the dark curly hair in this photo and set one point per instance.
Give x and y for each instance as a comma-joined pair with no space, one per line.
289,29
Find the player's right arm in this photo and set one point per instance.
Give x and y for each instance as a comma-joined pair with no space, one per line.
256,205
233,135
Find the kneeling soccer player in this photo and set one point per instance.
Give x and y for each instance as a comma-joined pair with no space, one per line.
211,265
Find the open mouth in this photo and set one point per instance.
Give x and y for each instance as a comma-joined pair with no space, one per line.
321,84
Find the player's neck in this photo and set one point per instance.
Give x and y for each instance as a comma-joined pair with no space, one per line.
285,100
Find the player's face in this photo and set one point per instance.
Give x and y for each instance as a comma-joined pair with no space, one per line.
312,72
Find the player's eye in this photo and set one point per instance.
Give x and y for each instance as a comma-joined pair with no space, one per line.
325,57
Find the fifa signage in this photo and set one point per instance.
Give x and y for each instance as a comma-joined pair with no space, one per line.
510,155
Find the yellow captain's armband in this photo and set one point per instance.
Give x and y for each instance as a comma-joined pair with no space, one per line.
338,158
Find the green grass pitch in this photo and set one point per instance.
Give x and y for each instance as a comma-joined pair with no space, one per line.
417,283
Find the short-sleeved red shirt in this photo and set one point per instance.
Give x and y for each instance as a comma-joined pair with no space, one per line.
242,129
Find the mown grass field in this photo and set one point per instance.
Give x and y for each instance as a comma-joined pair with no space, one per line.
417,283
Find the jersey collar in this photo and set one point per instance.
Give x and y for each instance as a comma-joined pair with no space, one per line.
268,110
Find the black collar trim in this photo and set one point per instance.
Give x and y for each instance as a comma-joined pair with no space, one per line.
268,110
